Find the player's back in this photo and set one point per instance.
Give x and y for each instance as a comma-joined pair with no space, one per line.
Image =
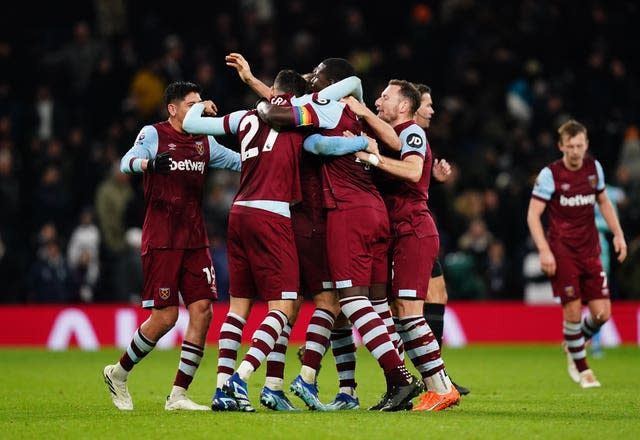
270,161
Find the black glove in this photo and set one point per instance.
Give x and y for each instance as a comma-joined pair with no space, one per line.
160,164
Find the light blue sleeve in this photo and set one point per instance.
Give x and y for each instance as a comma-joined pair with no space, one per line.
413,140
600,185
544,186
300,100
145,147
222,157
234,120
195,123
345,87
334,145
328,112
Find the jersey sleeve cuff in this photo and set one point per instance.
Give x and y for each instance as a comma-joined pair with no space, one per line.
136,165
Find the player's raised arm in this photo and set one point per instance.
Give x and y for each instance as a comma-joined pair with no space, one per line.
238,62
345,87
196,123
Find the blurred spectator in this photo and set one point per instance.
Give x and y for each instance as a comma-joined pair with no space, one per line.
628,276
48,115
83,255
629,160
172,68
12,269
476,240
112,197
133,280
75,62
50,279
497,271
9,193
51,201
463,281
105,89
146,91
628,177
111,17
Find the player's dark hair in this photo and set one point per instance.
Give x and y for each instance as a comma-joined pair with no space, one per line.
409,91
290,81
422,88
177,90
337,69
571,128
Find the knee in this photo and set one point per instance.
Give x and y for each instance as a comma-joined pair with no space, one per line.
437,292
166,320
407,307
202,314
602,316
293,317
327,300
207,315
287,309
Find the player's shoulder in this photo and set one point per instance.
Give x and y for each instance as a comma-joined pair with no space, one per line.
592,163
147,133
315,100
555,166
545,173
412,135
410,127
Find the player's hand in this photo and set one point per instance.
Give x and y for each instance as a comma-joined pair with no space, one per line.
372,147
362,156
441,170
241,65
161,164
620,246
356,106
548,263
210,108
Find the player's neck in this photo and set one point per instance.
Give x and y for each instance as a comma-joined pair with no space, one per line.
177,126
570,166
400,120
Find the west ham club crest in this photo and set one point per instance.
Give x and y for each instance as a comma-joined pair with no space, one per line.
164,292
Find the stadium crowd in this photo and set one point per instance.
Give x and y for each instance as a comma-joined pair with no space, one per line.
75,89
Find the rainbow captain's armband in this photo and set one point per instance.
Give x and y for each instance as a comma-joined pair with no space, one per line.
302,115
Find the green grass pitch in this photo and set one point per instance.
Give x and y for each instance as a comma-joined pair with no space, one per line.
517,392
